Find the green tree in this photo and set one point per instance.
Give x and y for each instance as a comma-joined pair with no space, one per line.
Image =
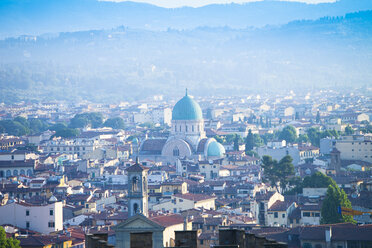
288,134
278,173
57,127
230,138
7,242
37,125
79,122
21,120
317,118
367,129
66,133
249,141
334,199
236,143
318,180
93,119
115,123
252,154
349,130
14,128
219,139
303,138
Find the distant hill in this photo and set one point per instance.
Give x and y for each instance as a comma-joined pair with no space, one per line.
127,63
18,17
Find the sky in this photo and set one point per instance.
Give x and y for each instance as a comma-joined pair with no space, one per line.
199,3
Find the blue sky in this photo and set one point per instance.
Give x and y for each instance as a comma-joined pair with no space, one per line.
199,3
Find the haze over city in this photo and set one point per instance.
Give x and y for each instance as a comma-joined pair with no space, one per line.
185,123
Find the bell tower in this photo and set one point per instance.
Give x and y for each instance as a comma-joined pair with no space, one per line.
137,190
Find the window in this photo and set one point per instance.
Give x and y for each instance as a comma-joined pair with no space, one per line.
176,152
307,245
175,210
12,157
180,200
306,214
192,128
27,224
51,224
283,215
317,214
186,128
275,214
135,208
27,212
51,212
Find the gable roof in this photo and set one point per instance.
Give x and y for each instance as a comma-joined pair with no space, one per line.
168,220
194,197
142,221
137,168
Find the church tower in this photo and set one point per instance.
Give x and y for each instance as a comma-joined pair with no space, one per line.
137,190
336,160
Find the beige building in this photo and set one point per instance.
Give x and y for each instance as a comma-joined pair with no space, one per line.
40,218
356,147
181,202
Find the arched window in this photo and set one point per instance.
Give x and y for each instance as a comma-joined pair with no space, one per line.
15,173
135,208
144,182
192,128
135,184
22,172
175,128
180,128
1,173
186,129
176,152
29,172
8,173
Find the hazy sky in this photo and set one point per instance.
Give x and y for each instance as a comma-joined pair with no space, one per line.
199,3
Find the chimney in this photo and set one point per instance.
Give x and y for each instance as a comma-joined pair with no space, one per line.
328,236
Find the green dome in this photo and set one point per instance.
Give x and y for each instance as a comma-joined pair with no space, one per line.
215,149
187,109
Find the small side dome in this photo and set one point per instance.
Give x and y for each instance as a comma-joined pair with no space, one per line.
215,149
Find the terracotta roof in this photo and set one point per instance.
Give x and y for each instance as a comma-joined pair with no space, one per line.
44,240
15,163
201,145
168,220
340,232
154,146
280,206
194,197
264,197
137,168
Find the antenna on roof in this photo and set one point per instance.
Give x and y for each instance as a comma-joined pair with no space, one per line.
137,160
186,91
